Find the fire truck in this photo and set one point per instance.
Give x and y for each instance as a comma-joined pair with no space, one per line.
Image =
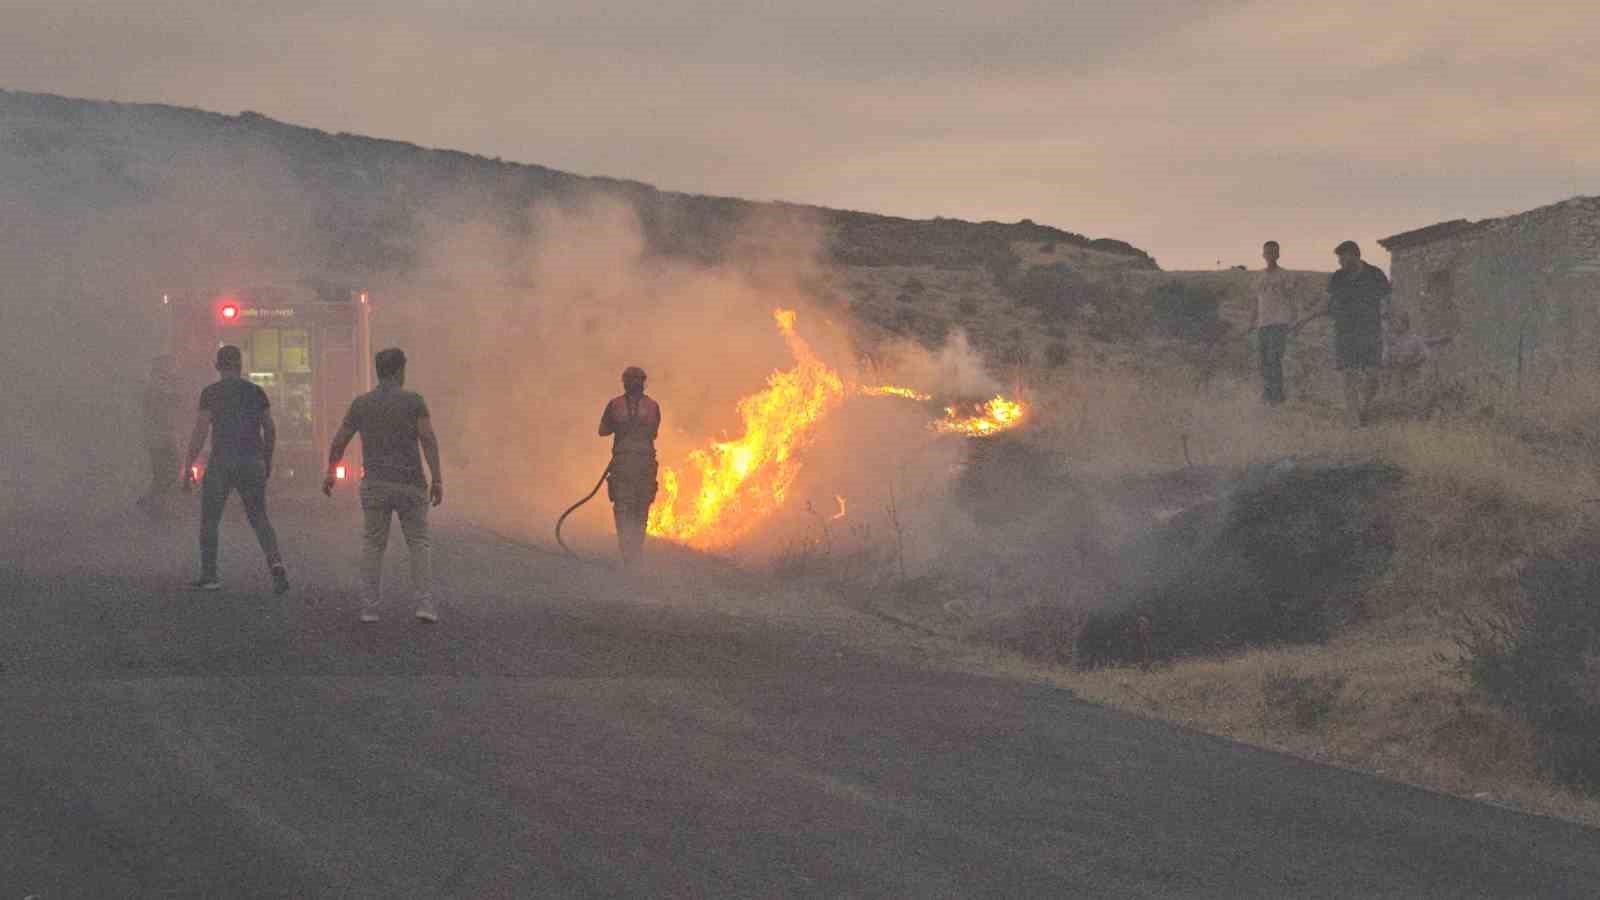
309,348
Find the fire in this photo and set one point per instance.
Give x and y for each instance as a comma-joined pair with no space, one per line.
993,417
743,481
739,483
890,390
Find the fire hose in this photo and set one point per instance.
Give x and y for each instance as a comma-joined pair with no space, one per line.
574,508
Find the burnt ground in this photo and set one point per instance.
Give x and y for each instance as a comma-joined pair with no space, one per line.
1166,564
565,732
1277,554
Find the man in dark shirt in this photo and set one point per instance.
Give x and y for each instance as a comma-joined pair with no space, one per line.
236,415
393,423
160,430
1358,301
632,421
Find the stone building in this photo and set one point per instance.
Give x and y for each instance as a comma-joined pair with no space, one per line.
1518,297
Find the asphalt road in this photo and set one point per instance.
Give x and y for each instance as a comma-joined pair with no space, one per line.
566,733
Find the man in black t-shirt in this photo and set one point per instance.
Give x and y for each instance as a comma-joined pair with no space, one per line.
236,415
1358,301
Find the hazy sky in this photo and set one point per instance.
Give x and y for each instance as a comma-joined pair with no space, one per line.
1194,129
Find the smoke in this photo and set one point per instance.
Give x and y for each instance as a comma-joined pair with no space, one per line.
98,223
518,305
519,340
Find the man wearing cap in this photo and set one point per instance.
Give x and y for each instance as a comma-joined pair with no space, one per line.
632,422
237,417
1358,300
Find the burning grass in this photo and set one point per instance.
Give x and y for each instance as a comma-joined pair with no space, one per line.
1383,691
984,419
741,483
1024,562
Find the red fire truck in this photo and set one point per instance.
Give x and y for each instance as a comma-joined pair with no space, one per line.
309,348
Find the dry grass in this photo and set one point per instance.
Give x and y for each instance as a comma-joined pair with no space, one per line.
1482,493
1399,714
1478,500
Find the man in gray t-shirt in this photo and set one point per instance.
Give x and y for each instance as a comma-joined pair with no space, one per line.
394,425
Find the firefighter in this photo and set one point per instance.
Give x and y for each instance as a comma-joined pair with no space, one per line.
632,422
160,431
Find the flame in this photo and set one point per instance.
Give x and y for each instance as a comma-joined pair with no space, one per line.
993,417
743,481
889,390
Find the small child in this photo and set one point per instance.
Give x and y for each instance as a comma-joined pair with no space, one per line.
1404,352
1402,349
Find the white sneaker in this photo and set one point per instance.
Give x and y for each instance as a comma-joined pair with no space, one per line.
369,616
427,615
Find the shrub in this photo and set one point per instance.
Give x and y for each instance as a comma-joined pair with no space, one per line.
1541,660
1057,354
1302,700
1189,311
1002,266
1054,290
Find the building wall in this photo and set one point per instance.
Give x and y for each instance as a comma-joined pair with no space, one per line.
1523,286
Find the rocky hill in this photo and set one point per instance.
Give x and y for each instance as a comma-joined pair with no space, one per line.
368,193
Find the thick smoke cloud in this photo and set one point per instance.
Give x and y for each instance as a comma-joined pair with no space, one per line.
519,307
93,233
537,328
519,311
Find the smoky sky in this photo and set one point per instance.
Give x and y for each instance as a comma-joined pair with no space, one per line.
1193,129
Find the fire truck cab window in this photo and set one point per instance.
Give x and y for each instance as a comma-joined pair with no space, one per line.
295,351
279,359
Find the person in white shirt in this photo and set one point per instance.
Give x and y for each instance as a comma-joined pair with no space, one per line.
1271,318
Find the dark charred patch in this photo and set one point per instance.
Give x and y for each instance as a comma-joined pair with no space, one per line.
1279,557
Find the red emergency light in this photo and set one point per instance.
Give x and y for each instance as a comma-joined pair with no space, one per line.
229,312
338,472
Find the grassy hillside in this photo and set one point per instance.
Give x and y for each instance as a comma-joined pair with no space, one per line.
1131,453
368,196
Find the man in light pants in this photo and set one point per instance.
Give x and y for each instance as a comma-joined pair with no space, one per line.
1272,318
393,423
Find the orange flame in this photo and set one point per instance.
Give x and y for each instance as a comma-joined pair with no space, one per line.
993,417
890,390
743,481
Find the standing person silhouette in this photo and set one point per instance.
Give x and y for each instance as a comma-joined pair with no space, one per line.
632,421
394,424
237,417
